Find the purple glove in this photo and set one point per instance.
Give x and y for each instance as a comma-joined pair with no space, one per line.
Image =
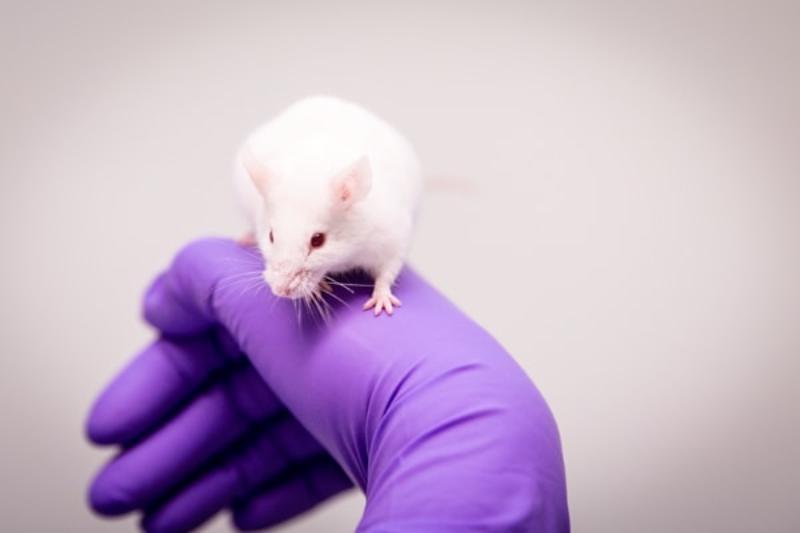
239,405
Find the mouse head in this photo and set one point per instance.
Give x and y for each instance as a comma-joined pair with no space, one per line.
307,231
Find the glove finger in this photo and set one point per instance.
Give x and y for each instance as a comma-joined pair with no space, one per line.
180,301
282,451
289,497
154,384
210,424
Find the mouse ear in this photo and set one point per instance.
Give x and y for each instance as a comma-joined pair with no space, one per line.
353,183
257,171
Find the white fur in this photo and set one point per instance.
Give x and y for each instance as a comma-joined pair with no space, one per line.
302,151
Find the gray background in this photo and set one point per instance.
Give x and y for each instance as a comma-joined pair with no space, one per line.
625,221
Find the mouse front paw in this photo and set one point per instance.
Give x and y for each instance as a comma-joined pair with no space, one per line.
382,298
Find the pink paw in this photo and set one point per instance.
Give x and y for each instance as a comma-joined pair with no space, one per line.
382,299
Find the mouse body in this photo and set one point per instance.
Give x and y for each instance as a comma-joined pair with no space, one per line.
328,187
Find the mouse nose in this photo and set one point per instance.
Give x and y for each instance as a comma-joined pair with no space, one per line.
280,288
283,283
281,292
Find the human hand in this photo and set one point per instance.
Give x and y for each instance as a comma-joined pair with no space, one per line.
426,413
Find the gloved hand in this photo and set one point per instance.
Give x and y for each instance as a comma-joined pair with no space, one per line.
242,405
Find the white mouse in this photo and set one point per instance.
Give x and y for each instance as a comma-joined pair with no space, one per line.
328,187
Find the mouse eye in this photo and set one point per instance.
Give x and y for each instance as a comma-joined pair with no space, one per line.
317,240
271,238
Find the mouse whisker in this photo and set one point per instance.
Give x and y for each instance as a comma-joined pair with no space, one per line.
326,306
259,288
349,284
339,284
320,309
244,273
298,313
241,274
302,304
235,279
323,306
312,300
334,296
248,258
231,282
249,287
